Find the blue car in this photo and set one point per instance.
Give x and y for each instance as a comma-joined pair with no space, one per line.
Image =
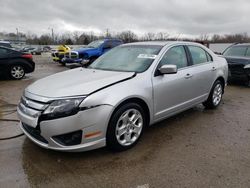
85,56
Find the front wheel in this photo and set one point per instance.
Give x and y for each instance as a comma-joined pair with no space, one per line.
215,95
248,82
126,127
17,72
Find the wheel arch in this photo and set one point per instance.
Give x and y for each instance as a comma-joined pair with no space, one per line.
220,78
138,101
20,62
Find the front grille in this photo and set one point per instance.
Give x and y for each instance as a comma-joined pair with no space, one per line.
31,107
67,55
56,54
74,55
36,133
236,68
61,56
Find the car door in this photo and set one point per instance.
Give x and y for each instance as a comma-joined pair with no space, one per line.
173,92
4,53
203,72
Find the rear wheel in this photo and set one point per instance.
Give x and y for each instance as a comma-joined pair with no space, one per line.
17,72
248,82
126,127
215,95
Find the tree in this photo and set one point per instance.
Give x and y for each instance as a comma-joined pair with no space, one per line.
127,36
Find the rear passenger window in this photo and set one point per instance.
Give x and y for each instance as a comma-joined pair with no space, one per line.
248,52
3,52
175,56
199,55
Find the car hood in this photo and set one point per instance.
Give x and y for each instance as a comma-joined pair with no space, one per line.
76,82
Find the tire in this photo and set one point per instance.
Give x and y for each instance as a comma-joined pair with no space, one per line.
17,72
248,82
62,63
215,95
122,133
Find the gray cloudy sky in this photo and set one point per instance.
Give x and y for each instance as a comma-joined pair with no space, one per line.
185,17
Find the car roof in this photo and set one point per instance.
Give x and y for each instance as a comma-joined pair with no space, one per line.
112,39
162,43
241,44
4,42
8,48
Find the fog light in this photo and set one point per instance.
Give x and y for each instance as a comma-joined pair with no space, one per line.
69,139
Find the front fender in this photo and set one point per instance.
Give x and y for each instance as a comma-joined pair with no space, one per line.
114,95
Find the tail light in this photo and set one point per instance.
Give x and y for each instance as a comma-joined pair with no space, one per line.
27,56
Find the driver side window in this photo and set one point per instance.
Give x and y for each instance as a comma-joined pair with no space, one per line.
3,52
175,56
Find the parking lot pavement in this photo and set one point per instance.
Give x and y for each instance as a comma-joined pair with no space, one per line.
197,148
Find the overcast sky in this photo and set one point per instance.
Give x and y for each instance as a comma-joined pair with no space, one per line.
176,17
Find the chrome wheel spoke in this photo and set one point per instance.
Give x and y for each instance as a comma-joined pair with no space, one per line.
128,138
125,118
135,118
217,94
136,130
17,72
121,131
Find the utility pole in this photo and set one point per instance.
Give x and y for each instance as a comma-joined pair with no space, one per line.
107,33
52,34
17,35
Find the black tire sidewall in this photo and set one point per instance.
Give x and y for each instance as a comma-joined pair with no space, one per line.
111,139
209,103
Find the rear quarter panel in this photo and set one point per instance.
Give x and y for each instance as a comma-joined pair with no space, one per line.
222,67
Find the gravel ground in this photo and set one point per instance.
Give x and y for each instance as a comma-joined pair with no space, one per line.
197,148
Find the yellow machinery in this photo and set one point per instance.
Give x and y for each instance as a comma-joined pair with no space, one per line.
59,53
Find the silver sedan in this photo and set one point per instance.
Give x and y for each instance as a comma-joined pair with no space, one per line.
127,89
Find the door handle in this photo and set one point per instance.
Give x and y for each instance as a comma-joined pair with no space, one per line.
188,76
213,69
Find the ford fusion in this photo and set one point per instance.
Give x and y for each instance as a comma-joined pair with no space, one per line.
127,89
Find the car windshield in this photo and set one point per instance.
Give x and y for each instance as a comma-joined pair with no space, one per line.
235,51
95,44
135,58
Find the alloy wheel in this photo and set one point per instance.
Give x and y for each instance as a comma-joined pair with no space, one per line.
129,127
217,94
17,72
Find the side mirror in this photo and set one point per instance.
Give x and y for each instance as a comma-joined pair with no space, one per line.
218,53
168,69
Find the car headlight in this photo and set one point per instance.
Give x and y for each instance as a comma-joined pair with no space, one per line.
247,66
62,108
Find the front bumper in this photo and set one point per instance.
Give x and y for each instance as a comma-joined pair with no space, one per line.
85,121
238,72
56,59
